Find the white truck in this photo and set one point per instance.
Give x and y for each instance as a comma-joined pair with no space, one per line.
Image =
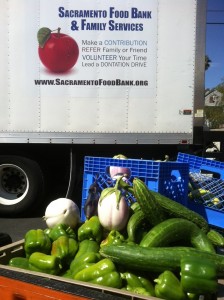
95,77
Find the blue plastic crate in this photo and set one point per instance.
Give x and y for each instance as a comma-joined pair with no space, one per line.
208,175
197,164
168,178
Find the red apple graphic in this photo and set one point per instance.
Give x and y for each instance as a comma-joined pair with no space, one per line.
58,52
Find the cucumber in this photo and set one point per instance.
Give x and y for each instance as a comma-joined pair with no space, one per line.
174,230
147,201
134,223
216,238
157,259
177,210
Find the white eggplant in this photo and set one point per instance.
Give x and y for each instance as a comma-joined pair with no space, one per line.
113,214
115,171
62,210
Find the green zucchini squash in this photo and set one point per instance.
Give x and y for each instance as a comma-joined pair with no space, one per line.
135,207
216,238
177,210
134,223
174,230
157,259
147,202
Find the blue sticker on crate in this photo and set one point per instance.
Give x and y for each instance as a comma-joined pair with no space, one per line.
168,178
206,178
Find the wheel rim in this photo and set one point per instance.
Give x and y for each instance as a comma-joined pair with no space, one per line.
14,184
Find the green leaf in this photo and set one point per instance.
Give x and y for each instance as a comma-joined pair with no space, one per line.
118,197
43,36
106,192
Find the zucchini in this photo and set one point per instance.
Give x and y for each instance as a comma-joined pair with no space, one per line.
174,230
177,210
135,207
157,259
134,223
147,202
216,238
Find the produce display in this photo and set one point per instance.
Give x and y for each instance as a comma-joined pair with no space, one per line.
152,246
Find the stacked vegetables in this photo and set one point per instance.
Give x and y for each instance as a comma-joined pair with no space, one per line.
153,247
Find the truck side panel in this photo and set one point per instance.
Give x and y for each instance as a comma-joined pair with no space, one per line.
134,81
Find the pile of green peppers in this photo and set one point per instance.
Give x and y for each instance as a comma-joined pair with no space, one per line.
75,254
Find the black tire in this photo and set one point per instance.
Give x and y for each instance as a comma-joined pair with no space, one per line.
21,186
5,239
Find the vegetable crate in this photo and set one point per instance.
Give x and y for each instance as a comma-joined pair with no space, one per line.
168,178
206,194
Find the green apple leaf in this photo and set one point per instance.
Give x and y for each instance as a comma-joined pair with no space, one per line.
43,36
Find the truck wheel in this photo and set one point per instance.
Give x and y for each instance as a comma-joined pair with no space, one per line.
5,239
21,186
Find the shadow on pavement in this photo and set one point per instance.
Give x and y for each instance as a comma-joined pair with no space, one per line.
17,228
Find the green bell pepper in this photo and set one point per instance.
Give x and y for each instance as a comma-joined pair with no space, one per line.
61,230
169,287
87,246
67,274
147,285
36,240
86,258
80,268
103,272
111,279
199,276
47,231
19,262
45,263
114,237
137,284
191,296
140,290
88,253
65,248
91,229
